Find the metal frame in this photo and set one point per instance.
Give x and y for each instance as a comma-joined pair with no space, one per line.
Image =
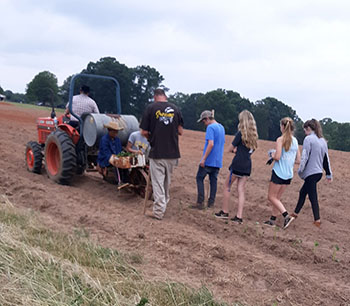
71,89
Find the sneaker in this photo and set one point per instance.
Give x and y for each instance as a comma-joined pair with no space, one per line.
270,223
237,220
221,215
287,221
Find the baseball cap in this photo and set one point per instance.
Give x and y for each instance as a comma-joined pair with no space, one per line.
205,114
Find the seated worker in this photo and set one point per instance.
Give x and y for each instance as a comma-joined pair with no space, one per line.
109,145
81,103
137,143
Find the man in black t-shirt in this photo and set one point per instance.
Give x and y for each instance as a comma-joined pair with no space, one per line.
161,124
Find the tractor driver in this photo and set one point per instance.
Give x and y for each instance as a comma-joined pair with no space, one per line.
81,103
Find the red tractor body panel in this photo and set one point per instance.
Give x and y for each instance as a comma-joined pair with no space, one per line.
71,131
45,126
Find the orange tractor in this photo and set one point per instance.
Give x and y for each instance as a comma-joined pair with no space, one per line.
67,151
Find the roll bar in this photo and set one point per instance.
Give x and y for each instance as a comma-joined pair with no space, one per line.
96,76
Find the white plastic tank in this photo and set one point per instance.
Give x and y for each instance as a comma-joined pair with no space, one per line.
93,127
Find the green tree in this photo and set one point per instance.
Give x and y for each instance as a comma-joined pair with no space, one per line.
343,137
223,103
179,99
191,110
337,134
14,97
226,103
43,88
276,110
299,131
1,91
261,115
136,86
63,91
145,80
103,91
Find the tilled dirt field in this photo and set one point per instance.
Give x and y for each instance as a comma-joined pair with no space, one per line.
248,264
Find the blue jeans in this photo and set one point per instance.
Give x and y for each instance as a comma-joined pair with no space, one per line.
213,178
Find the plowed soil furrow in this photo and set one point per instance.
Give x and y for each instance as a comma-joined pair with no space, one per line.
247,263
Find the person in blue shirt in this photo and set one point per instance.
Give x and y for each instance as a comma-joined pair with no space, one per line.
109,145
211,161
284,157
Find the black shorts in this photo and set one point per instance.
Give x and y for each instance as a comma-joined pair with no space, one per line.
277,180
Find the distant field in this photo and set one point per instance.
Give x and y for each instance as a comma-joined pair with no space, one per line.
33,106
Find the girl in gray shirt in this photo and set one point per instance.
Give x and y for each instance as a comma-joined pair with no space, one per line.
314,159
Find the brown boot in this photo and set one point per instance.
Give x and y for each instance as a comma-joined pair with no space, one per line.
150,214
294,215
199,206
317,223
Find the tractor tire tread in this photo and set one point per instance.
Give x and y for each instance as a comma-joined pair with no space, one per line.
38,156
68,163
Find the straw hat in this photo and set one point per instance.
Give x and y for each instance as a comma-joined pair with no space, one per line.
113,125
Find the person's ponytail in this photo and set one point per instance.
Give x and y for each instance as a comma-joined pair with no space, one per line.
287,135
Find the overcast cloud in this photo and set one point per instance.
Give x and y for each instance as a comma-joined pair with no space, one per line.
296,51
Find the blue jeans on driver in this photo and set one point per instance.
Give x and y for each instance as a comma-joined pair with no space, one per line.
213,178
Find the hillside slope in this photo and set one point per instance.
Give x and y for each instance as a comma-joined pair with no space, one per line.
248,263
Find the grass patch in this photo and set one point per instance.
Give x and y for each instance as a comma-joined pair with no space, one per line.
33,106
42,267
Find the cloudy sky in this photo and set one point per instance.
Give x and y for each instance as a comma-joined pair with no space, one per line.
296,51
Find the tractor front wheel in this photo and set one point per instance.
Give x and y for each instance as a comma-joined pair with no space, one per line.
34,157
60,157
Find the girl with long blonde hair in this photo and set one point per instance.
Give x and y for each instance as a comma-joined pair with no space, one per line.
286,154
243,145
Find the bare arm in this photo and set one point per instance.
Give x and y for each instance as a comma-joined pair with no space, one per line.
278,153
180,130
207,152
130,149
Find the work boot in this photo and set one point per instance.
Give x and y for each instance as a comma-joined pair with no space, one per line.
199,206
317,223
210,205
150,214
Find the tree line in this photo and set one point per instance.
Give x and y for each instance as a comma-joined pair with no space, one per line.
136,90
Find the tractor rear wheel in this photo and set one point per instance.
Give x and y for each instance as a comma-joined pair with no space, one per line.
34,157
60,157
